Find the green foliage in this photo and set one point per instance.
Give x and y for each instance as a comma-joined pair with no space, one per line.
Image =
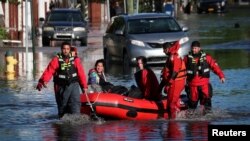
3,33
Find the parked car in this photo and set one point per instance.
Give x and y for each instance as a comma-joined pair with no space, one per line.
64,24
211,6
130,36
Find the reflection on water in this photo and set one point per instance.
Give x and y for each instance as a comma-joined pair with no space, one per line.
130,130
231,58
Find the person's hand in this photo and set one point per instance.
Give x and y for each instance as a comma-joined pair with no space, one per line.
85,91
222,80
169,82
39,86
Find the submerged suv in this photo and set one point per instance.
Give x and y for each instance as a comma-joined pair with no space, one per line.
144,34
64,24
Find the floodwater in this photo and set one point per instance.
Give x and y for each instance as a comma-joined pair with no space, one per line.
29,115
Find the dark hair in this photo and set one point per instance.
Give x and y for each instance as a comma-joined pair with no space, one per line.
166,45
143,59
195,44
100,61
65,43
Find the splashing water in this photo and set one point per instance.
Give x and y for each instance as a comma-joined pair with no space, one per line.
198,115
75,119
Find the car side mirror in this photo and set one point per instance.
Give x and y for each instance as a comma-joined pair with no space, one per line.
119,32
184,28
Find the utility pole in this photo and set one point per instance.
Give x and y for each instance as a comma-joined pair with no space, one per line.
33,34
26,36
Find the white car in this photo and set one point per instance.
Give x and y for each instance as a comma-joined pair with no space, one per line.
130,36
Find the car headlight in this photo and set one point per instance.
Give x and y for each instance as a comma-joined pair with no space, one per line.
223,3
48,28
184,40
79,29
137,43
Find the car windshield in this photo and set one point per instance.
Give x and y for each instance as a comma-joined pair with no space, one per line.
65,16
154,25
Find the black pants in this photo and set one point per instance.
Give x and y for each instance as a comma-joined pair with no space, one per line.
68,99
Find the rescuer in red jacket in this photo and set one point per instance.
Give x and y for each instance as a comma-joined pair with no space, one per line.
173,77
67,73
198,65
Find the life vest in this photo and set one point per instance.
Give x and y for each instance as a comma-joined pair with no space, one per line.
66,73
200,68
182,71
167,70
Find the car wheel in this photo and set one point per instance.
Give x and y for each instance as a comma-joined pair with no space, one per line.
45,42
107,57
126,62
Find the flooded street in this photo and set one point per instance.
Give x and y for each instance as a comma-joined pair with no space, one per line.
29,115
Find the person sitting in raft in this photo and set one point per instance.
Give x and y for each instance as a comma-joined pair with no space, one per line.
98,83
146,81
97,77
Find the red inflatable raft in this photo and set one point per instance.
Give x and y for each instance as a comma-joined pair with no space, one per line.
115,106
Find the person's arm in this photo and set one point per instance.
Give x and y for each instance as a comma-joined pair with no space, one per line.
176,64
215,68
48,73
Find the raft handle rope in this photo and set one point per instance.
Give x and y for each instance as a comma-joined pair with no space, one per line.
96,98
94,116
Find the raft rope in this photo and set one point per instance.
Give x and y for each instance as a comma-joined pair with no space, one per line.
96,98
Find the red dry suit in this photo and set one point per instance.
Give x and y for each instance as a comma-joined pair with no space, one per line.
173,77
198,73
147,82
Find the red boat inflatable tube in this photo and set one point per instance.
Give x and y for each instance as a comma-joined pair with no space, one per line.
115,106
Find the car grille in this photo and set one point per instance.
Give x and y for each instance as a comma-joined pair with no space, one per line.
63,29
159,45
156,59
155,45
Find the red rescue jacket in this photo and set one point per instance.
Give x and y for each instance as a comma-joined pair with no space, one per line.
147,82
197,79
175,68
53,67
